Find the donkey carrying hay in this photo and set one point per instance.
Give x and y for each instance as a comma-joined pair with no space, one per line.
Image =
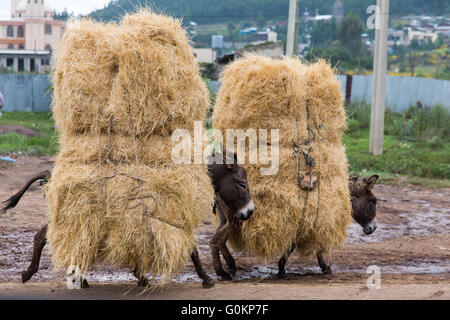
304,102
114,193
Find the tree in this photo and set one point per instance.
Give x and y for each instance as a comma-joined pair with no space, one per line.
64,15
349,35
323,33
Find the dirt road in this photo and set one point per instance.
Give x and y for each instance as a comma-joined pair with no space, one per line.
411,247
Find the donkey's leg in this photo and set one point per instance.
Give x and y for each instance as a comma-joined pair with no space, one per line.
216,243
74,279
207,281
325,268
39,242
228,257
142,280
283,260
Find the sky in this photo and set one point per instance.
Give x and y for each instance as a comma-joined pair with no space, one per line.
77,6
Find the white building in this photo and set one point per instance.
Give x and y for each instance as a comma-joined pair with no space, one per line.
31,27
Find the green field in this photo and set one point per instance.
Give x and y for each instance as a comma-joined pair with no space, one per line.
45,144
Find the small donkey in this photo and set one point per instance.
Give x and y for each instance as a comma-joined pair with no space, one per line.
363,211
233,204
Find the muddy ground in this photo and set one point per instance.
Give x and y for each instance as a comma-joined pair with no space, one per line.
411,247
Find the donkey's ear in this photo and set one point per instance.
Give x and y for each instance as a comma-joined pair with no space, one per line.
353,178
234,164
370,182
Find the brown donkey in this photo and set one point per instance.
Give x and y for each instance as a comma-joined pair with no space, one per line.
233,205
363,211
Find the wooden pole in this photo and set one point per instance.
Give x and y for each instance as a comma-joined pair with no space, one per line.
292,32
379,79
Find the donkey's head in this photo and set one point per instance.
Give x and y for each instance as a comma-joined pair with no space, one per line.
230,183
364,202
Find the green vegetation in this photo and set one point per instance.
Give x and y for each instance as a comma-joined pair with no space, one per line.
214,11
45,144
429,59
416,144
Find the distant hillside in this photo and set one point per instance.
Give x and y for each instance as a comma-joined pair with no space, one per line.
210,11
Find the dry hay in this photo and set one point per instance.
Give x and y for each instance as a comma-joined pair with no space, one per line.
92,220
158,79
83,73
115,194
263,93
273,94
142,72
80,149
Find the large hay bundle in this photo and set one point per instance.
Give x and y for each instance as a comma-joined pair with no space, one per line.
115,193
264,93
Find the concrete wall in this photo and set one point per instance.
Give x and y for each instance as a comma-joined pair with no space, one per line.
25,92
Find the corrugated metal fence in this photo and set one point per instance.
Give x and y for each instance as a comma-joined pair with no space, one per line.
28,92
401,92
25,92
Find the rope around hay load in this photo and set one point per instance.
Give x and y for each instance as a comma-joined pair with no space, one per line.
310,161
135,191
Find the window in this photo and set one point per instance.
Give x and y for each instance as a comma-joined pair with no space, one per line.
21,47
21,67
9,62
48,29
48,48
35,1
11,46
10,31
20,32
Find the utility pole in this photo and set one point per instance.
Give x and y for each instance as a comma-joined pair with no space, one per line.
379,78
292,32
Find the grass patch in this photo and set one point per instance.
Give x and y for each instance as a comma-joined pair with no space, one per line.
416,146
46,144
399,157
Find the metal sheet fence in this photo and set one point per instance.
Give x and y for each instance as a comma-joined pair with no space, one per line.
25,92
28,92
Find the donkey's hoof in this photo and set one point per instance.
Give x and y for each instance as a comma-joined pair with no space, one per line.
327,270
232,271
208,284
225,276
84,284
142,282
25,276
281,275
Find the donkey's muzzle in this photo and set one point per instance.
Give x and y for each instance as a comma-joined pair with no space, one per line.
370,228
246,212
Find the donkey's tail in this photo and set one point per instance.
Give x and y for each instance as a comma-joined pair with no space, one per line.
12,202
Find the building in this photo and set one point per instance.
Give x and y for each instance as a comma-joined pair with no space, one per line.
203,55
25,60
31,27
270,49
265,36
